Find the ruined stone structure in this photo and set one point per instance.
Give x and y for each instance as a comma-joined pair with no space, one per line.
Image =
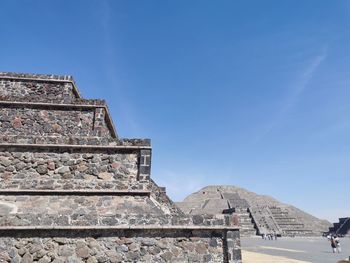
256,214
72,191
342,227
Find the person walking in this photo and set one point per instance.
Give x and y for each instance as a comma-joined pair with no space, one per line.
337,244
333,244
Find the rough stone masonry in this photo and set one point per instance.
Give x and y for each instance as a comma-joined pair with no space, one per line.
72,191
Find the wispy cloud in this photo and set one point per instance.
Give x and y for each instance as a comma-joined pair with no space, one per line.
113,71
297,91
304,79
106,15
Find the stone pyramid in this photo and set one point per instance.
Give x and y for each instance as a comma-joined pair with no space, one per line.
71,190
257,214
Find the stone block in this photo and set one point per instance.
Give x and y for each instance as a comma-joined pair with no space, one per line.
145,169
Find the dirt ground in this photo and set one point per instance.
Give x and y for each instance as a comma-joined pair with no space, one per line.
254,257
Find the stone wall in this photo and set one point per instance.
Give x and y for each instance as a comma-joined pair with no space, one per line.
72,191
145,214
36,91
27,210
123,246
69,170
71,140
35,76
41,122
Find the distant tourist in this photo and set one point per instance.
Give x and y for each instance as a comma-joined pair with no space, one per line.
337,244
333,244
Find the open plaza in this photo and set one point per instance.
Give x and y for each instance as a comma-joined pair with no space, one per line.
292,250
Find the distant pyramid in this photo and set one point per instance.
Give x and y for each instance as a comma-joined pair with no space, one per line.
257,214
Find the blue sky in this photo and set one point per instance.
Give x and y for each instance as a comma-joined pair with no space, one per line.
249,93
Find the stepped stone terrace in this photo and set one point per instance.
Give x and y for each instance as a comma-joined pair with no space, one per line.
71,190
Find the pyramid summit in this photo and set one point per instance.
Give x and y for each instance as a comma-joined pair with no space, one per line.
71,190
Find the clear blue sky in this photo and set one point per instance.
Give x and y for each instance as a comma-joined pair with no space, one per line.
249,93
